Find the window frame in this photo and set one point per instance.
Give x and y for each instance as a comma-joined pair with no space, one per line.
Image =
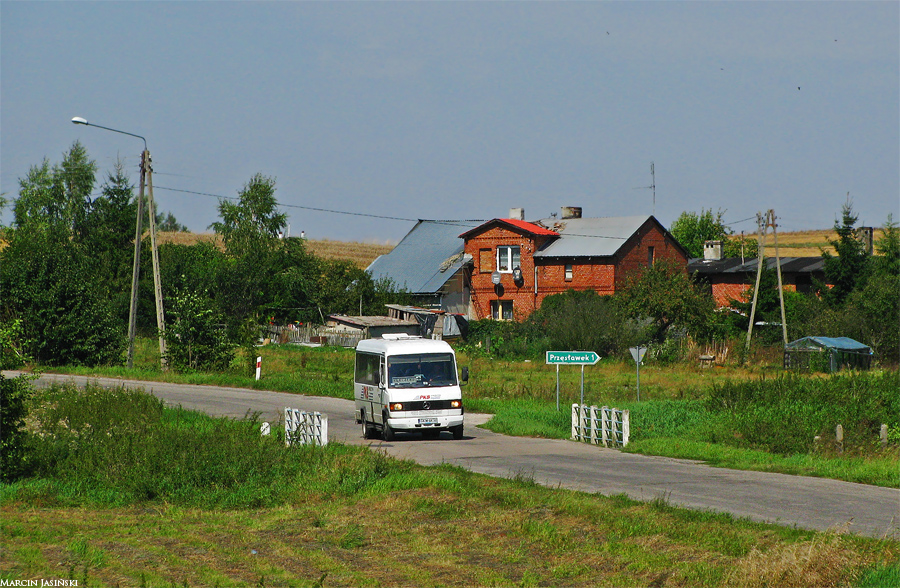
513,257
501,308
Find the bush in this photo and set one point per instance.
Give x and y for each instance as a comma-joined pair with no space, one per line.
15,395
120,446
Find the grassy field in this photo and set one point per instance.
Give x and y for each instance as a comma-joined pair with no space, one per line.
209,502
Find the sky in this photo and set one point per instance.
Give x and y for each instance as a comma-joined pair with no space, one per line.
463,110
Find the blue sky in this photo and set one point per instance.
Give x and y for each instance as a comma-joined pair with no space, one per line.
451,110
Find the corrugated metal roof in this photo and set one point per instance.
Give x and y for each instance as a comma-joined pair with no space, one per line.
734,265
589,237
372,321
842,343
426,257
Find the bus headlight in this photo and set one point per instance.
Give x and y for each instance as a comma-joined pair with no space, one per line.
395,406
456,404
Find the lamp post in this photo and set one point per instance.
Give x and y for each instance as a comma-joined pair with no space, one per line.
146,175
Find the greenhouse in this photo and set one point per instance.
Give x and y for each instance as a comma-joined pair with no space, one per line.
827,354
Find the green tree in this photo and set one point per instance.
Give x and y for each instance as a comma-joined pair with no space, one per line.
59,195
52,287
49,273
254,219
847,269
250,230
667,296
196,338
692,230
168,223
888,247
585,321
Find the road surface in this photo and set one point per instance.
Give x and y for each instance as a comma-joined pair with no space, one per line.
795,501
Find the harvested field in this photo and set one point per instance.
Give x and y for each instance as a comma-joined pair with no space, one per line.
361,254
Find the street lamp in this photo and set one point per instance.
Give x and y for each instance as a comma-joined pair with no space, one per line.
146,174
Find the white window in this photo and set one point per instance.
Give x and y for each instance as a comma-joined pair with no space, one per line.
507,258
502,310
569,272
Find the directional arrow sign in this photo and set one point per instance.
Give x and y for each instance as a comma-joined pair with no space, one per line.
572,358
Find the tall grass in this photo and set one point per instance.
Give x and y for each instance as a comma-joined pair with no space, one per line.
118,446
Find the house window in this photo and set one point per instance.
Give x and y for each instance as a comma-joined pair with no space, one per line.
502,310
485,261
650,256
569,272
507,258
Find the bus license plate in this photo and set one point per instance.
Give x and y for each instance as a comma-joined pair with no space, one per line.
428,421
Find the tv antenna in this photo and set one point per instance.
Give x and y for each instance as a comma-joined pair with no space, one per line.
652,186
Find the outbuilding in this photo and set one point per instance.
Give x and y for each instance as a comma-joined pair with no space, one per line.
827,354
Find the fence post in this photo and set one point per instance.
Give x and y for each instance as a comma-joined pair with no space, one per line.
626,427
839,438
884,435
594,423
604,425
574,422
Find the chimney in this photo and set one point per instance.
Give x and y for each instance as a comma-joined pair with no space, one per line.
570,212
866,236
712,250
517,214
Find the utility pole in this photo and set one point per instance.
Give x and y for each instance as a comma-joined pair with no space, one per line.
147,169
146,179
763,224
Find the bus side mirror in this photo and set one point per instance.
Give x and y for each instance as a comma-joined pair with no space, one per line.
465,375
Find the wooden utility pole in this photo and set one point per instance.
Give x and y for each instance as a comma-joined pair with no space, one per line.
136,268
147,168
763,224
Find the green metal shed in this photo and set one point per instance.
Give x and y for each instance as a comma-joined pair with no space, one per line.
827,354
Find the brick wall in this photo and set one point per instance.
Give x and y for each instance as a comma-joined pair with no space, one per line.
601,274
483,249
635,254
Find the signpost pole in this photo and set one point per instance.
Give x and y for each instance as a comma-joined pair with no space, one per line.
557,387
639,379
582,384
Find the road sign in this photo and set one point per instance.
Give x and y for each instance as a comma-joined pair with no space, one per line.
638,353
572,358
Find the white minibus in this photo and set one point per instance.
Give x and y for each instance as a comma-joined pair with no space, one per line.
407,384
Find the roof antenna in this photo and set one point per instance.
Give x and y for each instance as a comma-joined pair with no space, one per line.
652,186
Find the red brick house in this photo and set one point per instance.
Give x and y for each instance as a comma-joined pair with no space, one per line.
516,264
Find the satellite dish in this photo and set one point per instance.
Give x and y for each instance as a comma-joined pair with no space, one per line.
517,275
495,277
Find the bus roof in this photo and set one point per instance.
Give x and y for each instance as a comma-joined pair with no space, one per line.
403,346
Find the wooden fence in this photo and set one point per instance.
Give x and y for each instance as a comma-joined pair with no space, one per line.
313,336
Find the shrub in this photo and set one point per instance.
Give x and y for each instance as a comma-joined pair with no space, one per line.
15,394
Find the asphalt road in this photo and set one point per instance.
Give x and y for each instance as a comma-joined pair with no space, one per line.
795,501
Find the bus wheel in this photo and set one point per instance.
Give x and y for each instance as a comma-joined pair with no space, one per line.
457,432
387,432
368,432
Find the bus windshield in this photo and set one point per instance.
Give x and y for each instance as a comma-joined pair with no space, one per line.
421,370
